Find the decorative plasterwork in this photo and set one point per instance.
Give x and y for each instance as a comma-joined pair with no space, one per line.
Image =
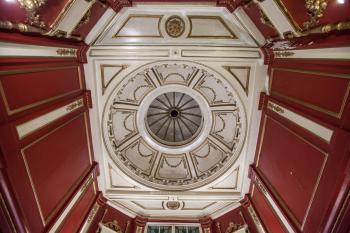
191,25
109,72
241,74
175,26
216,26
174,167
140,26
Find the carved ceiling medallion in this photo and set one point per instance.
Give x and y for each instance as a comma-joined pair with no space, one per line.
175,26
174,125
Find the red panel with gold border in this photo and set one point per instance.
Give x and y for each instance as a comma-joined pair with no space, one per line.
301,14
300,166
261,20
270,220
76,217
317,87
46,167
42,83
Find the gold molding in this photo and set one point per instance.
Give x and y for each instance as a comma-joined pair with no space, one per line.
274,107
341,212
71,189
85,19
7,213
66,52
315,9
73,106
190,17
93,213
272,189
159,17
31,7
61,15
20,27
309,105
169,27
330,27
28,106
218,56
106,84
281,54
246,86
289,17
254,216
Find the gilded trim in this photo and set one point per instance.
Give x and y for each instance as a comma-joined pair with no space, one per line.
309,105
69,192
275,193
190,17
159,17
7,213
289,17
103,81
341,212
245,86
20,109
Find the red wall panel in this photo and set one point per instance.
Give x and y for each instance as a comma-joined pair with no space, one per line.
41,84
265,212
317,90
292,166
76,216
60,159
302,172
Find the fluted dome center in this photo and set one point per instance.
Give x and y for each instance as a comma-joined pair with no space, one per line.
174,119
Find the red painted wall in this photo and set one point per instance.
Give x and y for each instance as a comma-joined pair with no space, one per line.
307,177
42,171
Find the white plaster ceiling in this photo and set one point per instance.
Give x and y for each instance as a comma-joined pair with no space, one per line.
133,61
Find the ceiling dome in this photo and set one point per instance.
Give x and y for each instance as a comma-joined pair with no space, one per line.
174,119
174,125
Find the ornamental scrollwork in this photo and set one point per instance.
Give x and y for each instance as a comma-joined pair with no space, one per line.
31,7
315,9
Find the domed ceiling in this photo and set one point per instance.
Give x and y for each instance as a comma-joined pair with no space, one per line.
187,123
175,118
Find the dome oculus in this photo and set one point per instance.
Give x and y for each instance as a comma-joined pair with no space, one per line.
174,119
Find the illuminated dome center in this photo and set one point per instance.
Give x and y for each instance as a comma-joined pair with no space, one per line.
174,119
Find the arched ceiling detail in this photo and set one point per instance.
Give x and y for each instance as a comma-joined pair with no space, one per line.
175,25
208,153
223,74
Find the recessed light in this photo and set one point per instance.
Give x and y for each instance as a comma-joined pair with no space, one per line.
341,1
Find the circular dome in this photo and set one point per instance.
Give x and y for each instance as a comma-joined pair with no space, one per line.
174,119
174,125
